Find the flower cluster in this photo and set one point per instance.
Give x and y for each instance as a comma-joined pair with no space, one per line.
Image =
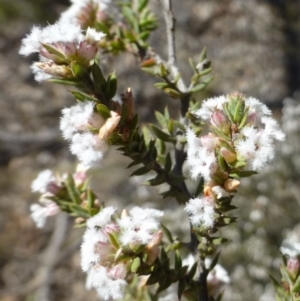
50,186
111,246
240,142
59,46
87,131
85,12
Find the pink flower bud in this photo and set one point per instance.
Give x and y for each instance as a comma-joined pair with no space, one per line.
228,155
112,228
55,70
53,188
209,142
251,118
293,265
87,51
218,118
52,209
103,249
231,185
109,126
118,271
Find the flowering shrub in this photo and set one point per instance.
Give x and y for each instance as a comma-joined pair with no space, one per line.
118,248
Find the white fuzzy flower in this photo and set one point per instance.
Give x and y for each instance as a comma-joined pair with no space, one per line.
98,254
88,148
81,11
210,105
257,145
201,211
79,118
43,181
201,160
292,250
220,192
51,34
102,218
95,243
40,213
93,36
139,226
107,286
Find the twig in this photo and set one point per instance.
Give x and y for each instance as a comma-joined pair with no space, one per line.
170,29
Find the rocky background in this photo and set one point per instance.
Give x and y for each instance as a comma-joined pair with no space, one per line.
254,46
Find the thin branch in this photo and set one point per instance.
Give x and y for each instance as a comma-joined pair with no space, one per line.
170,29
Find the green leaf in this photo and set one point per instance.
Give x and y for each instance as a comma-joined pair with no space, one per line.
182,271
79,211
179,125
147,135
113,240
167,233
102,110
158,180
178,261
135,265
168,163
73,191
163,285
203,54
153,278
141,171
83,96
100,26
239,111
198,88
164,256
296,286
78,70
219,240
181,288
161,119
244,118
192,272
54,51
242,174
172,92
166,113
238,164
128,14
206,71
162,135
171,126
65,82
111,86
214,261
142,4
163,71
134,122
99,79
150,70
228,113
90,198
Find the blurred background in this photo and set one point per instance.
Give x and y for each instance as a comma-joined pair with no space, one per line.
255,49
